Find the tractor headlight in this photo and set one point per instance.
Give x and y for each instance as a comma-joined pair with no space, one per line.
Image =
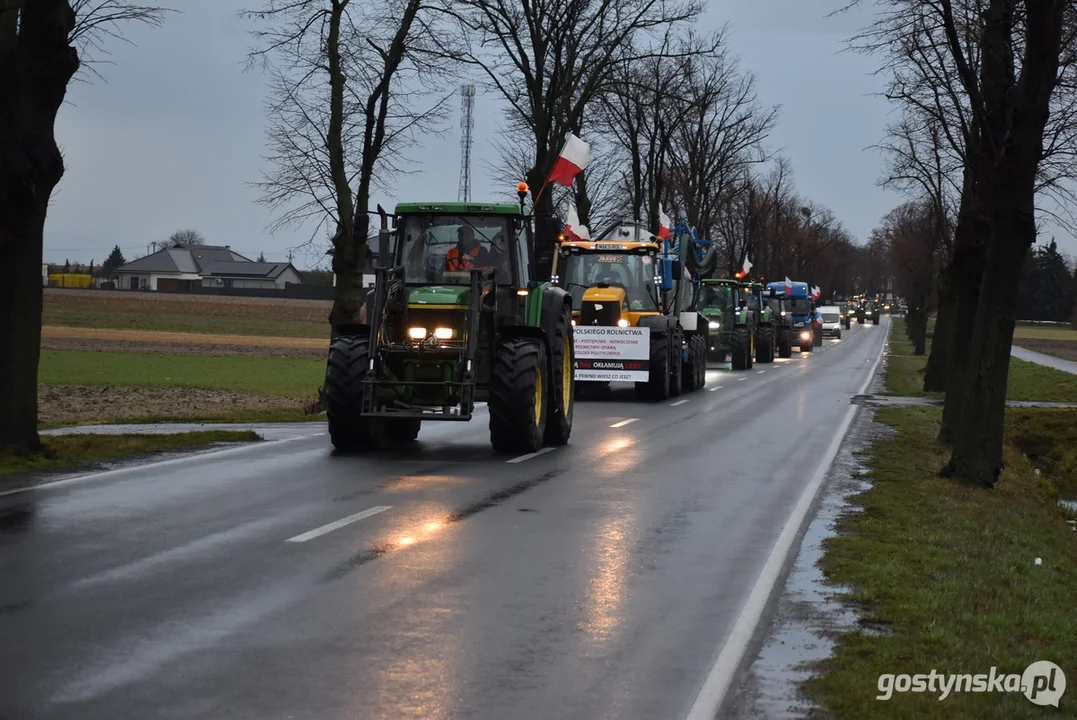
783,313
573,323
417,333
443,333
714,325
622,323
805,336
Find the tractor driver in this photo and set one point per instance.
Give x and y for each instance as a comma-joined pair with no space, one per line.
468,253
608,273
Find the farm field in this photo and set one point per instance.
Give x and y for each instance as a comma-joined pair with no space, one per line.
114,356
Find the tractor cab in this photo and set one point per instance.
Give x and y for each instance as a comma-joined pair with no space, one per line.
614,280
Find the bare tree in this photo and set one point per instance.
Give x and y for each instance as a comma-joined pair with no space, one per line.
351,89
549,60
40,44
186,238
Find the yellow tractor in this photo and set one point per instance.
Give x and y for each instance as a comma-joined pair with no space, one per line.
628,294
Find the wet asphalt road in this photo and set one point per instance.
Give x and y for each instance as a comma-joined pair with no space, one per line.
598,580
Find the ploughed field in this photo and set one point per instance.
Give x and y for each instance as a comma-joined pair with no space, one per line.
110,356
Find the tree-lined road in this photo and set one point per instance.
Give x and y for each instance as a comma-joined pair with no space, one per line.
595,580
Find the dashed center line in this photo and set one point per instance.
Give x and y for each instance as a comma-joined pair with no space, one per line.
528,456
760,372
716,387
679,402
318,532
741,379
623,422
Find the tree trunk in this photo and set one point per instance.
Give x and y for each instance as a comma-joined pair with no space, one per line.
916,324
970,245
938,360
977,452
34,73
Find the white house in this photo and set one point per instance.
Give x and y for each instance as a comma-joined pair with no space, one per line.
174,268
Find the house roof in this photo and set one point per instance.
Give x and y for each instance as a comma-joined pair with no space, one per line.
183,260
247,270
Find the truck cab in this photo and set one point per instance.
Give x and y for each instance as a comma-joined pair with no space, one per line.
798,305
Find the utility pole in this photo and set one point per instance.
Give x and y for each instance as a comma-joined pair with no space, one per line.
467,127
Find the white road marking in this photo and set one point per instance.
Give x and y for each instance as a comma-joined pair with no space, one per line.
623,422
247,446
760,372
741,379
720,677
715,388
318,532
528,456
679,402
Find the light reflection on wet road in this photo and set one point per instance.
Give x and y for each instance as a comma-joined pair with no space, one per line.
597,580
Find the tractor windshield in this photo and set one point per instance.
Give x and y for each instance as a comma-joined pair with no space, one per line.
633,273
716,297
442,249
799,306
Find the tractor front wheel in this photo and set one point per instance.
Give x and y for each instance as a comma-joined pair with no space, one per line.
563,388
657,385
740,343
785,343
697,347
345,367
676,366
764,341
518,386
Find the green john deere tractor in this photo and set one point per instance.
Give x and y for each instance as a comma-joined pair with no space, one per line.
454,318
766,327
731,322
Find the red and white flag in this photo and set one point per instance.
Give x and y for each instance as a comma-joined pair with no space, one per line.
665,225
747,268
788,286
573,229
573,160
816,293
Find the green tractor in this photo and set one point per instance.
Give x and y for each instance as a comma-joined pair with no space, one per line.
730,320
766,326
454,319
781,317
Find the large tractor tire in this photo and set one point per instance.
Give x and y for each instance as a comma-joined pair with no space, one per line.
690,375
563,384
785,342
764,344
344,371
676,363
657,386
740,343
518,387
875,318
699,348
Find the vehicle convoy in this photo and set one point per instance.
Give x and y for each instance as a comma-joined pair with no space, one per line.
454,318
731,322
798,298
831,320
631,299
871,311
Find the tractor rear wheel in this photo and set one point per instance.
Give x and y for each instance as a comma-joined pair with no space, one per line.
563,385
518,386
740,343
657,385
698,347
676,365
345,368
764,344
785,343
690,366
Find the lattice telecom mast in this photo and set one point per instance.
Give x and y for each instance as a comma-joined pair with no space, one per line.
467,125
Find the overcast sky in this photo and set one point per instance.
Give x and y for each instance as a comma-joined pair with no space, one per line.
174,134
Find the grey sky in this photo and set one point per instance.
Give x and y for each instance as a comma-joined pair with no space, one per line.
171,137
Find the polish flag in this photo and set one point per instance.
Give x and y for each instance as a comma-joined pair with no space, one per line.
788,286
747,266
571,162
665,225
816,293
573,229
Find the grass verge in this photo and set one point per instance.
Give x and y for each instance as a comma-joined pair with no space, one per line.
291,377
904,374
69,451
265,415
949,571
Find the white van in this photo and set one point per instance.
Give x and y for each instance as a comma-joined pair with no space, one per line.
831,320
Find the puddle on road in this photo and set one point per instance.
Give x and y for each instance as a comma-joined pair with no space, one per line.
810,613
1070,505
